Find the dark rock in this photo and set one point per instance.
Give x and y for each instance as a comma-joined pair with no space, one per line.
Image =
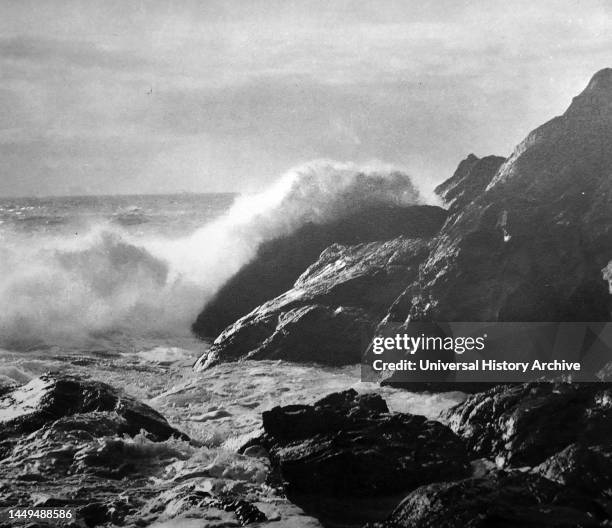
347,445
469,180
522,425
61,426
503,500
280,262
49,398
110,512
331,312
527,239
587,468
532,245
335,411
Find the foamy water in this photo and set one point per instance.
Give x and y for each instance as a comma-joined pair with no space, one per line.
107,288
75,270
220,409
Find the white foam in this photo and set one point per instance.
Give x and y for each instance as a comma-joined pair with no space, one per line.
166,355
58,291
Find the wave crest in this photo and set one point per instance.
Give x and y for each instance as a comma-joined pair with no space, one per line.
63,291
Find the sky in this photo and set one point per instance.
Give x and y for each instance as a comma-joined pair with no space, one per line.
125,96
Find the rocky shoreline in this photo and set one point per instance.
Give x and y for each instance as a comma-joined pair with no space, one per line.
528,238
520,455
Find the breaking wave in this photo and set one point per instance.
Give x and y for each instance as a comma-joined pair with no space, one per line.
67,290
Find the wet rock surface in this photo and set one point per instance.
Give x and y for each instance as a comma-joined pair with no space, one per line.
522,425
584,467
280,262
508,500
349,446
81,444
48,398
526,239
71,443
532,245
332,310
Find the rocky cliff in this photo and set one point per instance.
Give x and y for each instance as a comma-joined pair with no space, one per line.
526,239
532,245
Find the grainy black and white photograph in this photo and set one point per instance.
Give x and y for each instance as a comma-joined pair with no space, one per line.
305,263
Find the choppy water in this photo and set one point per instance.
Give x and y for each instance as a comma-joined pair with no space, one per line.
107,287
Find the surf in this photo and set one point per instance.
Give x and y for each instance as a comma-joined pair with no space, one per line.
73,289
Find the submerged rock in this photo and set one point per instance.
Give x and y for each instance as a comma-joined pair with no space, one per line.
508,500
75,439
350,445
49,398
523,425
280,262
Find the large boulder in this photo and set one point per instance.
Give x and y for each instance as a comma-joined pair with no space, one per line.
533,244
523,425
348,444
331,311
280,262
498,500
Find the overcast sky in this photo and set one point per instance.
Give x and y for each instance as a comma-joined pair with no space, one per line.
170,95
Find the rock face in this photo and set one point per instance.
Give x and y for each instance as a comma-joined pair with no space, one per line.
346,458
334,447
523,425
587,468
331,311
527,239
532,245
280,262
509,500
469,180
44,400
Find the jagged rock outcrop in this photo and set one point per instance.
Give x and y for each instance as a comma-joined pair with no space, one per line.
348,445
532,246
469,180
508,500
523,425
280,262
526,239
331,311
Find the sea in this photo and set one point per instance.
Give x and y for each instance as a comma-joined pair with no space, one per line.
106,287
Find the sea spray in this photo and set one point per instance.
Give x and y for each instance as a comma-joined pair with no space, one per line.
106,282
